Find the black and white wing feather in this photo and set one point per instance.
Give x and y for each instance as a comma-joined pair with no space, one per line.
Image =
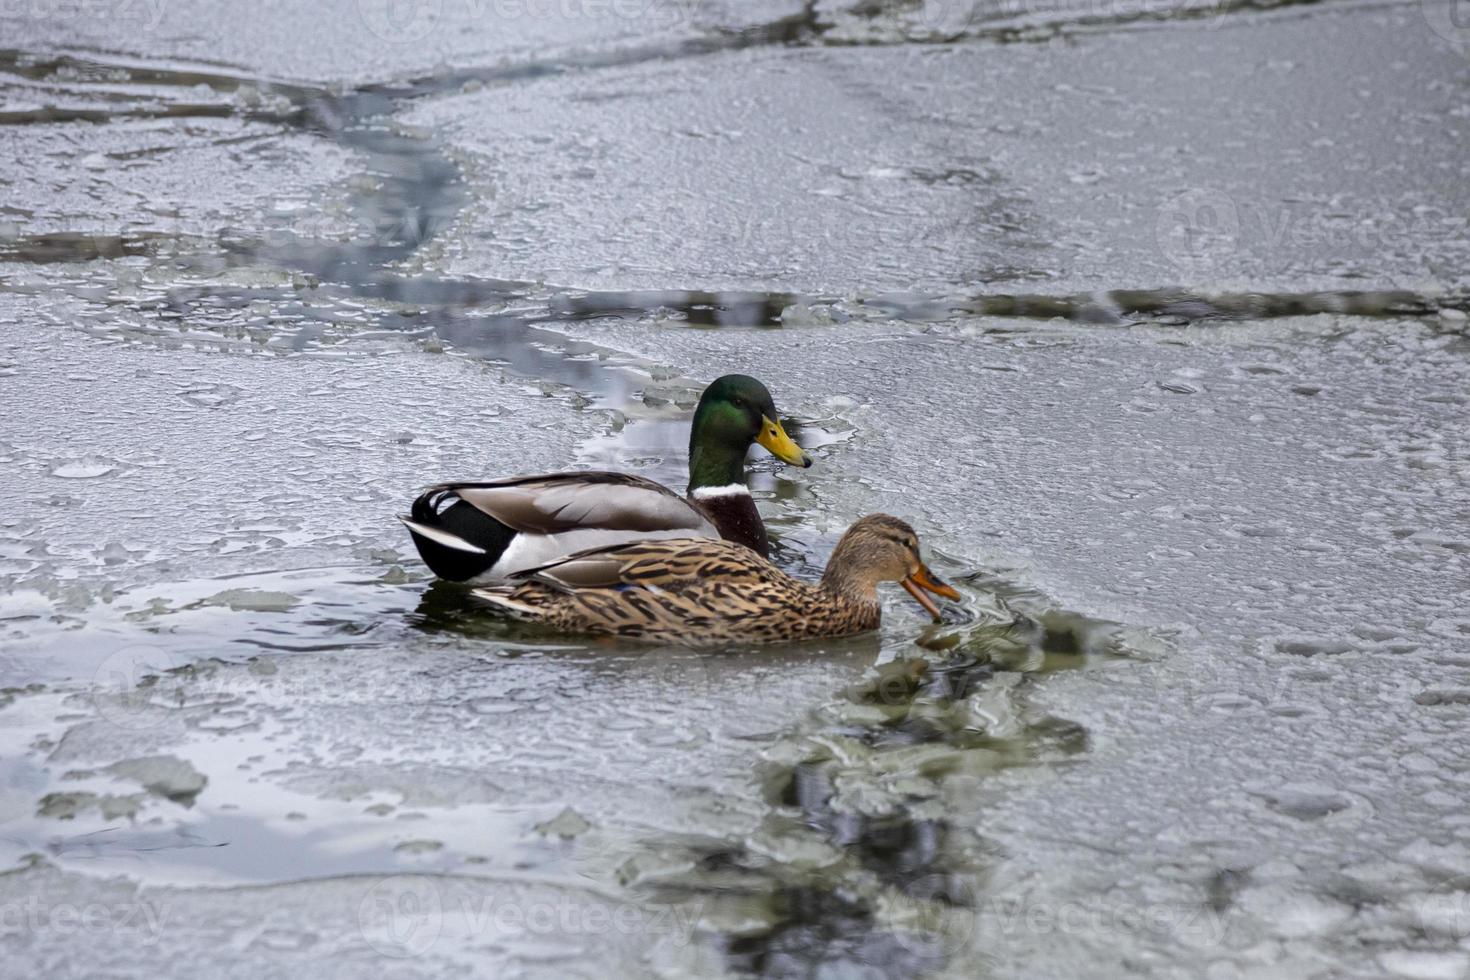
487,531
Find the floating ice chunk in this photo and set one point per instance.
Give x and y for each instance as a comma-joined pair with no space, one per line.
1293,913
1444,913
114,554
163,775
211,395
802,315
1304,801
566,824
1451,859
68,806
1423,965
253,600
1313,646
83,468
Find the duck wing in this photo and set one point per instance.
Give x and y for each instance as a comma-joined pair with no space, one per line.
685,590
560,502
666,565
488,530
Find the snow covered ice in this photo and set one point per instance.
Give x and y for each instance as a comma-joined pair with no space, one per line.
1151,318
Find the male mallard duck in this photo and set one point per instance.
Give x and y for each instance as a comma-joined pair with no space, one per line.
488,531
697,591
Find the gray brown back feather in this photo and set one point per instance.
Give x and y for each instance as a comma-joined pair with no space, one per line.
559,502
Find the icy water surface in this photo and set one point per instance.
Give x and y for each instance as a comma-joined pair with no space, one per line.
1150,317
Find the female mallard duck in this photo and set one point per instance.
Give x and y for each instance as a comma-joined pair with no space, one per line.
697,591
488,531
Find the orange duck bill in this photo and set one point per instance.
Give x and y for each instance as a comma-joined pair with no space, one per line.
924,581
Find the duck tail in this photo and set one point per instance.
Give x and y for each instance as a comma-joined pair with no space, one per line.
458,542
425,509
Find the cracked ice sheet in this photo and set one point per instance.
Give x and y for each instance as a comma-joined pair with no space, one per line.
1289,501
190,180
394,928
359,41
154,526
1027,167
142,469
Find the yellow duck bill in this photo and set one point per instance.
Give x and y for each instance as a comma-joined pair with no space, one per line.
775,440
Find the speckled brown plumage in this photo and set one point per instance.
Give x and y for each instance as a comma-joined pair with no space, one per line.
701,591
